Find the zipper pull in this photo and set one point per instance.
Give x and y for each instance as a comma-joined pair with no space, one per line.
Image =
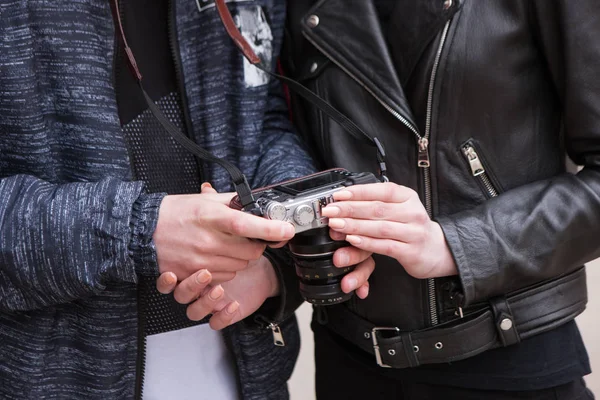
423,157
473,158
277,335
457,299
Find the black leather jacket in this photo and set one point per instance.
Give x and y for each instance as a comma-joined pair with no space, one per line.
500,91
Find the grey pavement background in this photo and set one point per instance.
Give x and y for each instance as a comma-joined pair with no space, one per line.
302,382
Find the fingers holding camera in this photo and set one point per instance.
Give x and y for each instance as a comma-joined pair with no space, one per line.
347,256
238,223
335,235
359,278
194,233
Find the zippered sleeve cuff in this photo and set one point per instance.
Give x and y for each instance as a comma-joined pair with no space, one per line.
143,224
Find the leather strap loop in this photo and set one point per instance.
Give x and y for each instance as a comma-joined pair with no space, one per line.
505,321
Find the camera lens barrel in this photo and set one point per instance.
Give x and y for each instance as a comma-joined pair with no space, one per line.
320,280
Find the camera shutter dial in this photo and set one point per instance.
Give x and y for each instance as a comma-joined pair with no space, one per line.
276,211
304,215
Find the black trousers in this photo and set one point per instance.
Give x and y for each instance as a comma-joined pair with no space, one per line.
340,375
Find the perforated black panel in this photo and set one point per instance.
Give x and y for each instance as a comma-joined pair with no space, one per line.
157,159
165,166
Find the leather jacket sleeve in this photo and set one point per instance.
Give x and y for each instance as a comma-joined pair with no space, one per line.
546,228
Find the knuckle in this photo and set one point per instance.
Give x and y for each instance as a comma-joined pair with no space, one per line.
195,313
217,323
386,229
390,248
196,263
421,217
207,243
237,226
269,230
379,210
389,190
180,297
347,210
370,262
411,193
351,227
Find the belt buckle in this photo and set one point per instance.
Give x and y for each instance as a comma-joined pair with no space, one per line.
376,343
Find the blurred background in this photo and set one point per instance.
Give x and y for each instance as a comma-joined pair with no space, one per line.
302,382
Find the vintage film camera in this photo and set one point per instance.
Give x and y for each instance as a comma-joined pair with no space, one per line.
299,201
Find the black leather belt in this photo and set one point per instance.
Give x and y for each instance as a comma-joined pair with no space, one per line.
506,321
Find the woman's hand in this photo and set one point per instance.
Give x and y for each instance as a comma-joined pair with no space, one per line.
389,219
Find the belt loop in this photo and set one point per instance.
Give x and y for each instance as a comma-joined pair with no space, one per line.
504,321
410,350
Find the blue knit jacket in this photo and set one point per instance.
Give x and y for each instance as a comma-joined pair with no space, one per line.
75,230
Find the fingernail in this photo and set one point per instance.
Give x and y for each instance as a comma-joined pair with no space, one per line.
170,279
337,223
232,307
342,195
352,239
216,293
352,283
344,258
205,185
330,211
203,277
365,292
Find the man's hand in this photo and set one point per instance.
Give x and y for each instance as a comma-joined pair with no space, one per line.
389,219
235,300
200,231
229,302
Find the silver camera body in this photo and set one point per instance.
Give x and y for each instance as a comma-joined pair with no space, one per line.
300,201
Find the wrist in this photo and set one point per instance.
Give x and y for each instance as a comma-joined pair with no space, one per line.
271,277
445,265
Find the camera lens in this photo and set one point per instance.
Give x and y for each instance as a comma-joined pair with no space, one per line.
320,280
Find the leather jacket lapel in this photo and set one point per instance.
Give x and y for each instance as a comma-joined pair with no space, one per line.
412,27
361,50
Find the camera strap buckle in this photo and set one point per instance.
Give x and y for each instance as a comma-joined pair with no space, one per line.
374,333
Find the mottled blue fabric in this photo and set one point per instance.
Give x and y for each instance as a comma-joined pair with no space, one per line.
75,230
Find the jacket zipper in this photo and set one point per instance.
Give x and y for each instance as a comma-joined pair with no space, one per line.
478,170
422,142
140,366
425,164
